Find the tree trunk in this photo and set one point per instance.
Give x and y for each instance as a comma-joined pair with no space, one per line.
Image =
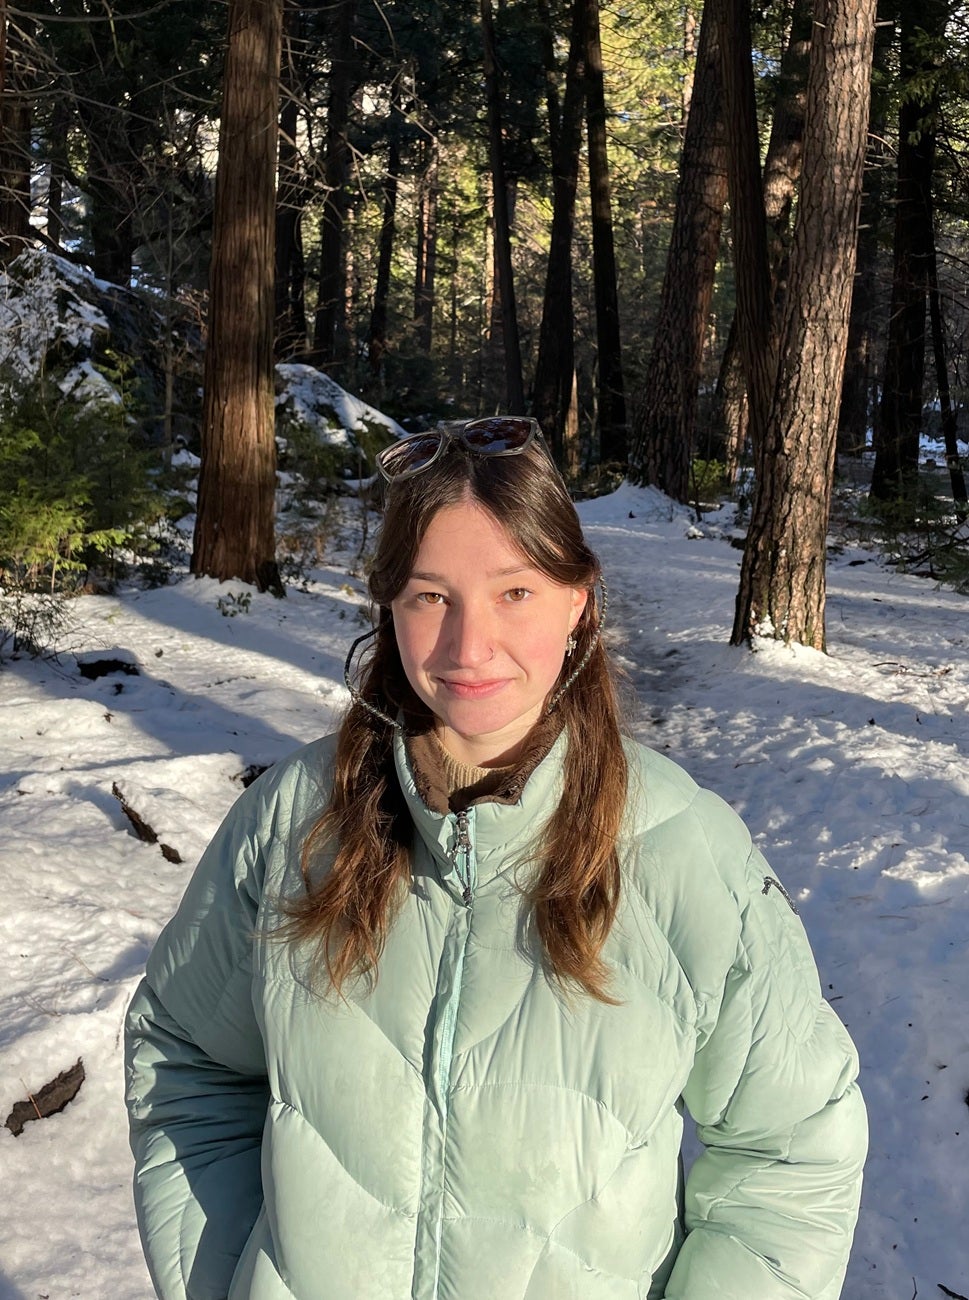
782,167
782,585
552,399
665,420
290,201
900,416
731,413
854,418
424,287
613,435
15,120
331,332
234,528
514,387
377,337
748,218
57,152
954,465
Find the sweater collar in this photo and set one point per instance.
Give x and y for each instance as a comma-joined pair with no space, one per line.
503,823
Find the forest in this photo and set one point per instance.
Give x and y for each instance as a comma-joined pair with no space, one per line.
716,249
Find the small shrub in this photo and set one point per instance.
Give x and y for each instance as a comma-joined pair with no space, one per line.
233,603
923,533
32,623
74,488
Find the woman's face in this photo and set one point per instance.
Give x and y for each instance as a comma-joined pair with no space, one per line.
481,634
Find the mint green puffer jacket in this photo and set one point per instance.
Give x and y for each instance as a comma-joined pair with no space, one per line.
461,1130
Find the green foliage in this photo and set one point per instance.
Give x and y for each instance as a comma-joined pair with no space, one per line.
708,479
922,533
73,488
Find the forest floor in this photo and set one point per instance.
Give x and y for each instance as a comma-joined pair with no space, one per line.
851,769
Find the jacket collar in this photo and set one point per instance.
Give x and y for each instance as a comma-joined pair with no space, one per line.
505,823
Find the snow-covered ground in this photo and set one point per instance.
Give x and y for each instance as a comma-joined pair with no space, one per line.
851,769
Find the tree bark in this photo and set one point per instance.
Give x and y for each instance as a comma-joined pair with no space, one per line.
664,424
782,586
426,276
290,200
782,167
514,386
57,152
613,435
748,218
854,418
552,400
331,331
895,471
956,477
377,336
15,120
234,528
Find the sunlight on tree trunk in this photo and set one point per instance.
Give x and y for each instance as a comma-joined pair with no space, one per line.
782,585
234,529
664,425
504,273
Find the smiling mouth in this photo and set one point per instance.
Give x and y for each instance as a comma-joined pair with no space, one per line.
472,690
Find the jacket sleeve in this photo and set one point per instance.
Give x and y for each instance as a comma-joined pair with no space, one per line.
195,1072
771,1204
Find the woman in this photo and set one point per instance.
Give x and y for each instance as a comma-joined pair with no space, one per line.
429,1012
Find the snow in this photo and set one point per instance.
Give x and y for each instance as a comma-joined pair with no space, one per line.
42,308
852,770
314,399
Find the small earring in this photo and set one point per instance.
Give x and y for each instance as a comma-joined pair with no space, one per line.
570,645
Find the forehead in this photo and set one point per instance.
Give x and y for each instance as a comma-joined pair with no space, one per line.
466,535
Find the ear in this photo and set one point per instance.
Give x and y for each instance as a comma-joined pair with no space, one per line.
580,597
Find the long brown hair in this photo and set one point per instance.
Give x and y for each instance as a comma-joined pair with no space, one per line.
348,910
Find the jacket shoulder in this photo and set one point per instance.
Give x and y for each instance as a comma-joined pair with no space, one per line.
690,859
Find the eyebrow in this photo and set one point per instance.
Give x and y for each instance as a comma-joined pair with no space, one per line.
422,575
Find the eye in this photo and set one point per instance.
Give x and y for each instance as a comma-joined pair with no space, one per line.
430,598
517,594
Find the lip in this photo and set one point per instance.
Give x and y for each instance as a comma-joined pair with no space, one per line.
472,690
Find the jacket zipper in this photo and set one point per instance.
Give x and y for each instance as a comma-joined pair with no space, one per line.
463,848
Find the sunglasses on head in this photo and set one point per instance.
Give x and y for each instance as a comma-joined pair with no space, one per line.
499,435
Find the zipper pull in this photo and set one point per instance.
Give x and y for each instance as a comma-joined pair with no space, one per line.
772,880
463,845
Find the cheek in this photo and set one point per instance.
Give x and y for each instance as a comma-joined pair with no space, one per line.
413,643
543,653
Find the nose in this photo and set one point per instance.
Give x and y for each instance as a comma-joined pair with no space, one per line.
470,636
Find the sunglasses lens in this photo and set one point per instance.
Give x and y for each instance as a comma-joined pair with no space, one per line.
497,435
410,455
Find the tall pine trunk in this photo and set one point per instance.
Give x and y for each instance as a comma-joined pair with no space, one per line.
748,218
554,388
504,275
331,331
956,476
854,418
900,415
377,336
290,199
664,424
782,166
234,527
15,120
782,585
613,435
425,286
